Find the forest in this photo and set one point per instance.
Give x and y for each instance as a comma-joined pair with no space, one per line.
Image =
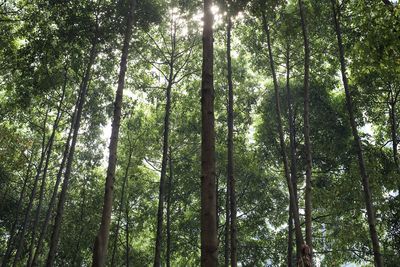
199,133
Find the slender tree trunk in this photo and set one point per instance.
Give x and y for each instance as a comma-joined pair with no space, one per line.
77,259
227,223
127,231
101,242
168,258
293,157
231,177
32,196
76,125
357,143
55,190
393,128
10,240
46,166
121,207
160,212
295,210
209,243
307,142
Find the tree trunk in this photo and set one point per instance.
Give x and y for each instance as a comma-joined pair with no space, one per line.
209,244
46,166
231,177
295,210
101,242
127,232
121,207
55,190
357,143
307,142
11,240
293,158
76,125
161,196
393,127
33,193
168,258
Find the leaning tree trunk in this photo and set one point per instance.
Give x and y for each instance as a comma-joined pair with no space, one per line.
306,116
76,125
357,143
209,244
45,169
101,242
32,195
55,190
231,177
295,210
10,240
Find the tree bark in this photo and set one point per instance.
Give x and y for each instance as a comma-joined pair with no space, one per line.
101,242
76,125
306,118
295,210
46,166
357,143
231,177
209,244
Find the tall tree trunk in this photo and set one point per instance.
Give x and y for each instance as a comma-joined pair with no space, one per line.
32,196
293,158
121,207
161,195
227,223
209,243
295,210
55,236
393,127
127,231
101,242
55,190
46,166
168,258
231,177
306,117
11,240
357,143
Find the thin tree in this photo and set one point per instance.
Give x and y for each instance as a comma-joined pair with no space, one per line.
209,244
101,242
46,166
293,202
28,209
306,127
231,200
11,240
161,195
170,179
357,141
55,236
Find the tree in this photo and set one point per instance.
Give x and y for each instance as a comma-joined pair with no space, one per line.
208,188
357,142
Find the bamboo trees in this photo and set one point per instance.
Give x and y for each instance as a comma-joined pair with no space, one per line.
208,234
357,141
101,242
